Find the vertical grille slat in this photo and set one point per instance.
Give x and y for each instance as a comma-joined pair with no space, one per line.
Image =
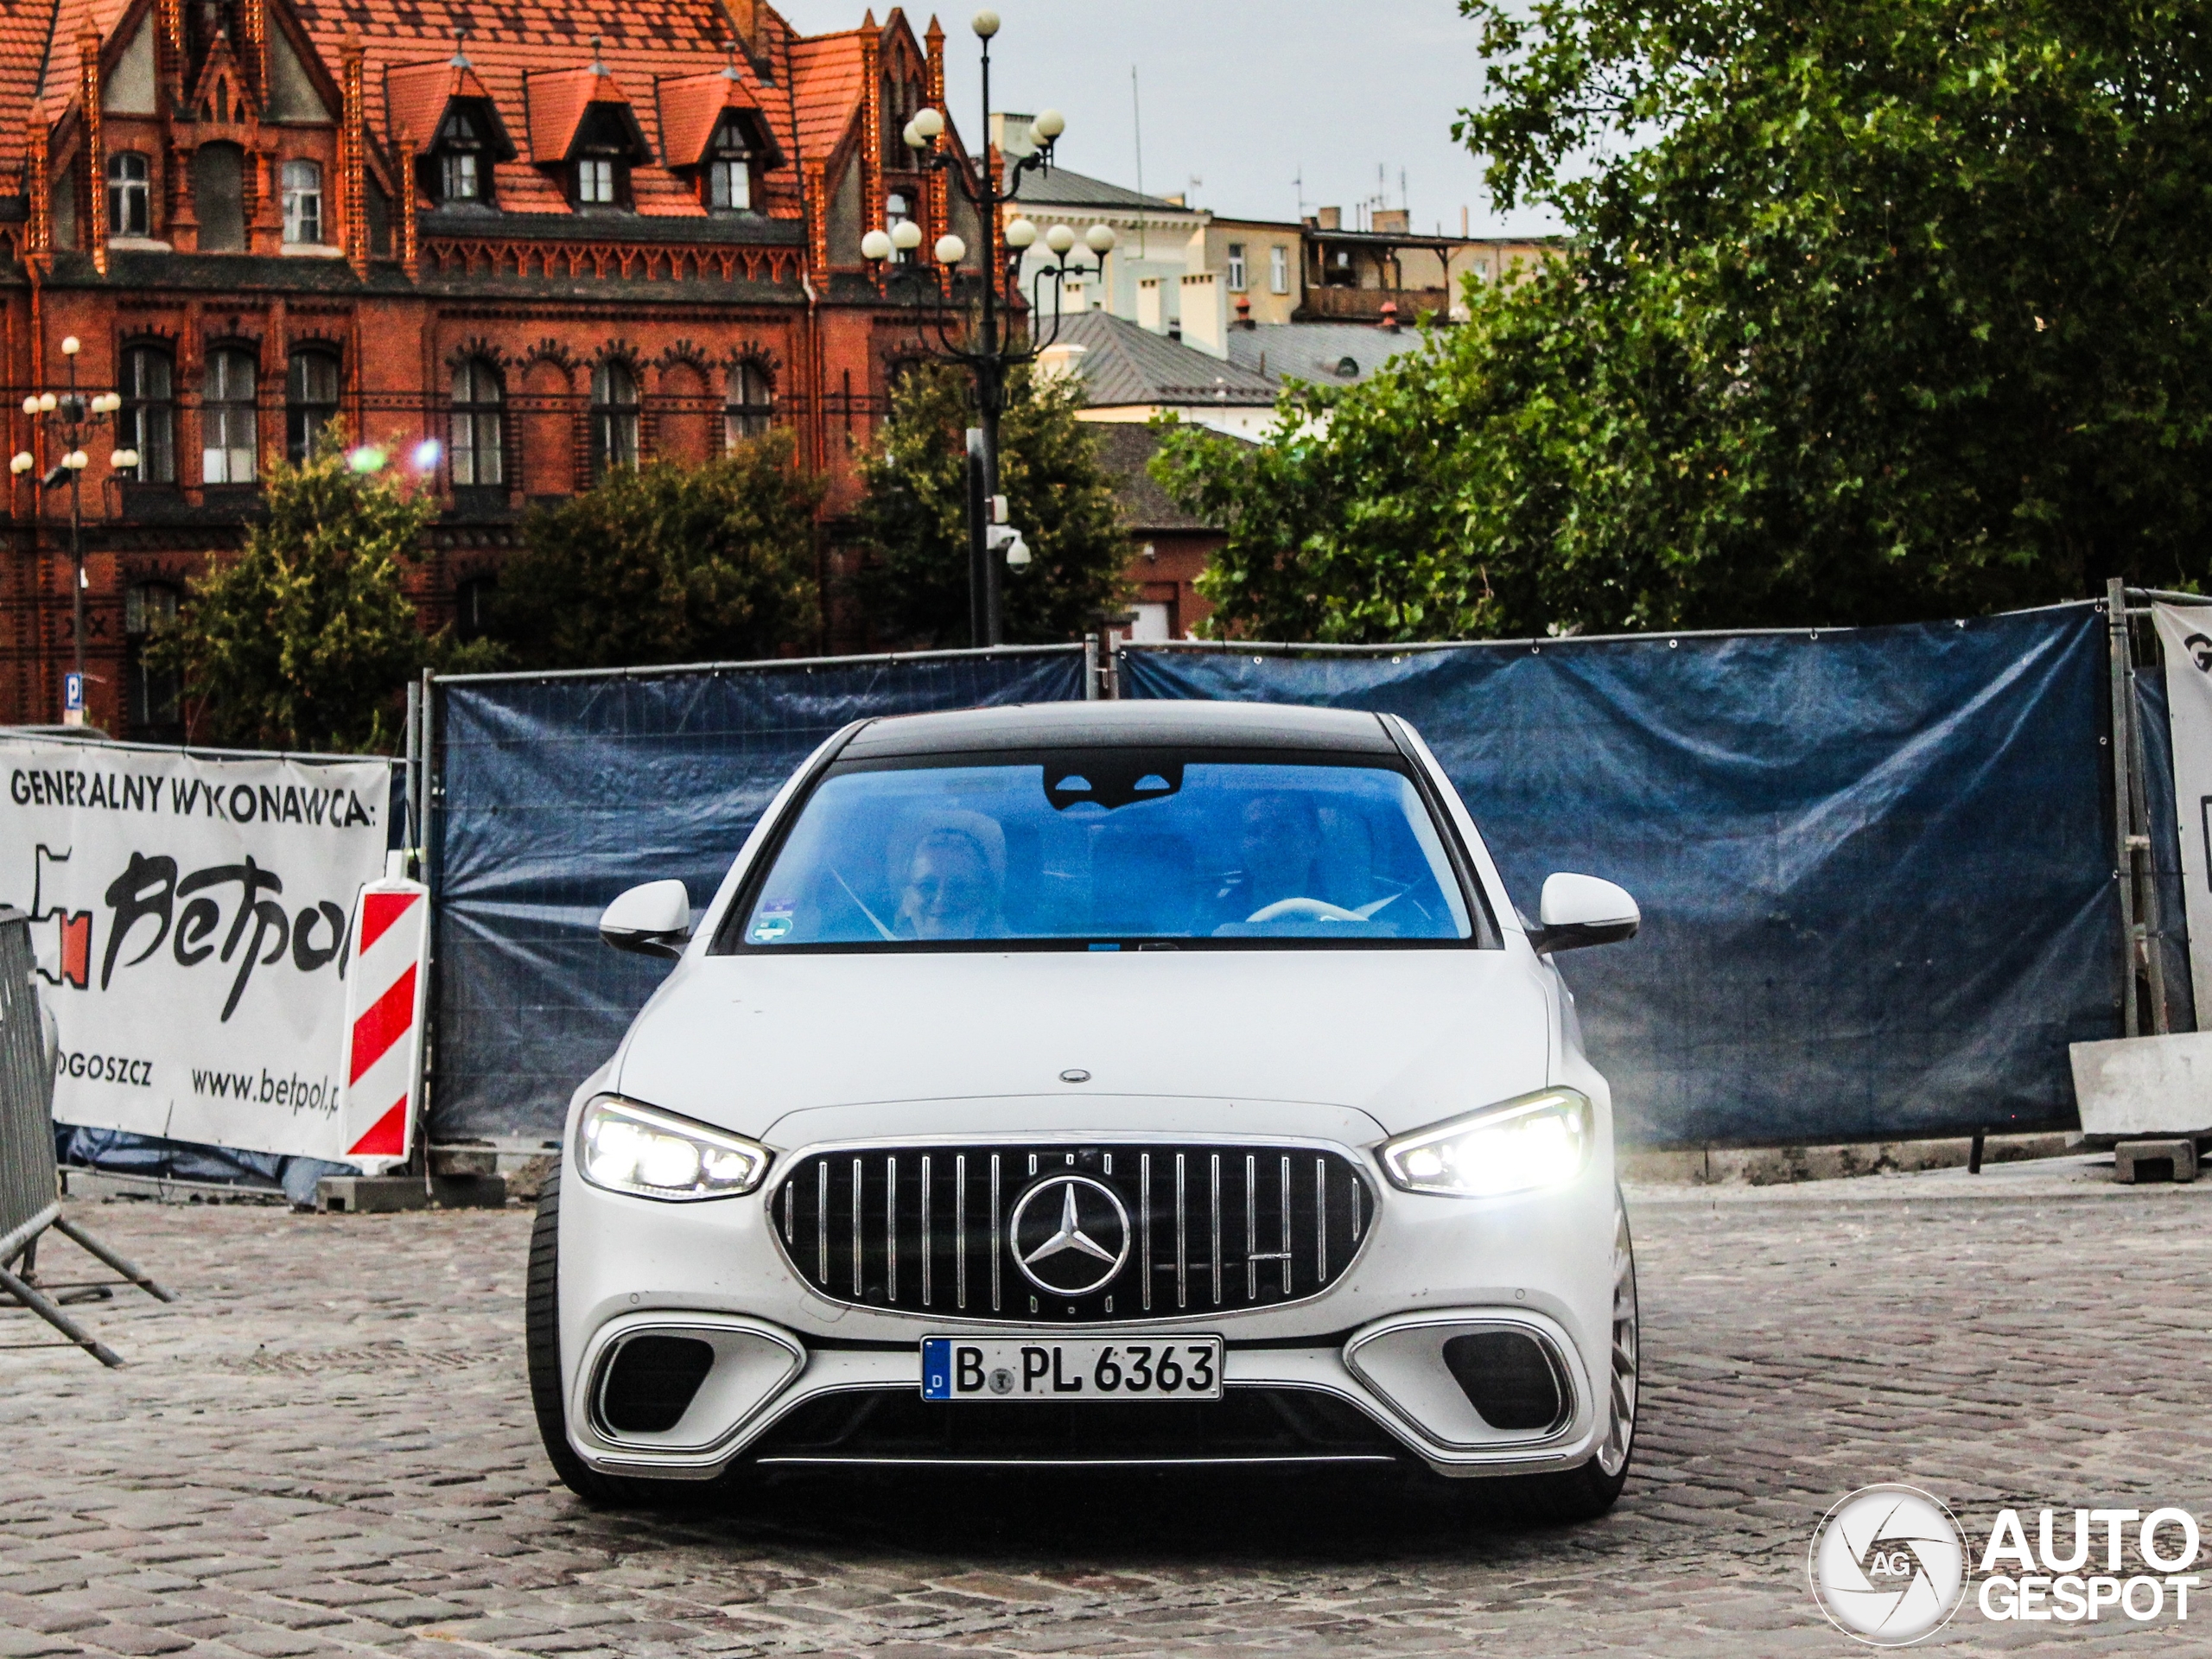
1215,1270
1182,1240
960,1231
1321,1221
1144,1222
954,1207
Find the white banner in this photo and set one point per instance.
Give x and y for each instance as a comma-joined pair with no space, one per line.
2185,632
190,916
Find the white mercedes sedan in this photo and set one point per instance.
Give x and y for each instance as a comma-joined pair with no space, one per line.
1110,1084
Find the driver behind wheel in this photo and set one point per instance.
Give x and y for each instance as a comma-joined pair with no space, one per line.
1279,844
955,881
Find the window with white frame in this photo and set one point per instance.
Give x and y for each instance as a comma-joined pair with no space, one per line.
478,456
304,202
229,427
751,410
614,417
147,422
595,182
1237,267
129,196
1278,269
729,170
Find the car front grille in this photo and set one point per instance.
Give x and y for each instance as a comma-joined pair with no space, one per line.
1072,1232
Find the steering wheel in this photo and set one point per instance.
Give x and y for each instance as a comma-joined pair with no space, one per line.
1302,910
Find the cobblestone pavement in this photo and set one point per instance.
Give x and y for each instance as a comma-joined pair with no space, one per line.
325,1447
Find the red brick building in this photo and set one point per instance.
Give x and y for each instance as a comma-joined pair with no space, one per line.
546,237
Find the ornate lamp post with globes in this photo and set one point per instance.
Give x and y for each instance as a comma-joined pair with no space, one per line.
71,418
985,342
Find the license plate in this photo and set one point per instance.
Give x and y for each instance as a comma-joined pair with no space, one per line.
1071,1368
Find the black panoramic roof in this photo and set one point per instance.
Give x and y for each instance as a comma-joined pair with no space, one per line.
1102,725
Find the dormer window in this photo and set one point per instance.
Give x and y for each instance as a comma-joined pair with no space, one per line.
601,163
463,169
729,170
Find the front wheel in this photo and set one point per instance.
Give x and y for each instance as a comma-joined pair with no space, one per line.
1585,1494
542,1342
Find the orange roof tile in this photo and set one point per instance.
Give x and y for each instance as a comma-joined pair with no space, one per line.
530,59
416,96
692,107
826,88
25,27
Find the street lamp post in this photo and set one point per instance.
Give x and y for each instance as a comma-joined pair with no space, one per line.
71,418
989,349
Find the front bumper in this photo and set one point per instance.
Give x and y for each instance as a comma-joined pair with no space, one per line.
1367,1355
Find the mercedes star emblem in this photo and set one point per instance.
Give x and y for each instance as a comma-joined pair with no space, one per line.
1071,1235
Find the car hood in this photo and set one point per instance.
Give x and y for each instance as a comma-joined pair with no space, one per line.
1407,1037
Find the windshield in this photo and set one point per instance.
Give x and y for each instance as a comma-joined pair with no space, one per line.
1095,847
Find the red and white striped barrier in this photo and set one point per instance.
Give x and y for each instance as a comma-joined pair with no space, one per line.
384,985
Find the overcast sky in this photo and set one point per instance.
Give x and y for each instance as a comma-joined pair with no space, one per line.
1247,95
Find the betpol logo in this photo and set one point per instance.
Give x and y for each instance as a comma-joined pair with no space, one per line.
1888,1565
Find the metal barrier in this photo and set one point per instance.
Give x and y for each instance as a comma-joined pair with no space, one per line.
29,1193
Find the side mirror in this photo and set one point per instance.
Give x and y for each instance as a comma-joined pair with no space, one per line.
1580,910
653,921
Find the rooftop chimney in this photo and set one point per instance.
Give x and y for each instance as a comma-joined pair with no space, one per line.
1244,311
1390,323
1332,219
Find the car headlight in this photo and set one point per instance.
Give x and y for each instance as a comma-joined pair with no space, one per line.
1539,1140
626,1148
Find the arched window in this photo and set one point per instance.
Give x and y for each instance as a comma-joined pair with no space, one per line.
230,431
302,202
310,401
478,458
614,417
149,606
751,410
147,422
129,198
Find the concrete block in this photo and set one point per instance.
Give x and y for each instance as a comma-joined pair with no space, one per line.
464,1161
382,1194
2144,1086
2137,1161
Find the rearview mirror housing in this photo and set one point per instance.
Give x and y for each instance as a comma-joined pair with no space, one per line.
652,920
1580,910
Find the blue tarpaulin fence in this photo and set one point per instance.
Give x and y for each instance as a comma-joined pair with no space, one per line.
560,791
1875,866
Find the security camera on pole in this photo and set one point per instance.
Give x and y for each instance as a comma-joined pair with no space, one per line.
71,418
978,340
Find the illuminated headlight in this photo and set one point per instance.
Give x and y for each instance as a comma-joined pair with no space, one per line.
626,1148
1539,1140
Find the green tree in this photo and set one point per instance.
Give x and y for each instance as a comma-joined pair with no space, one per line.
1874,310
306,640
669,563
912,523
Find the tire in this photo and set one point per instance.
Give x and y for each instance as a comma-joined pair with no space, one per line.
542,1341
1587,1493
